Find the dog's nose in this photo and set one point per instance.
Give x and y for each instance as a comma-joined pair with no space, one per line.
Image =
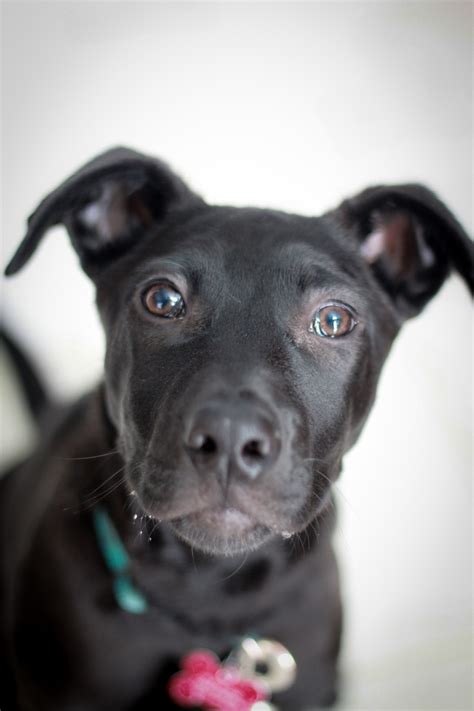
233,439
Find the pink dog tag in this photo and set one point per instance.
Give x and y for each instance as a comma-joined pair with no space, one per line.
204,682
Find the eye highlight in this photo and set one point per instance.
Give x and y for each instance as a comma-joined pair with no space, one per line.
334,320
164,300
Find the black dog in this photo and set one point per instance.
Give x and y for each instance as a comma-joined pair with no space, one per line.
243,352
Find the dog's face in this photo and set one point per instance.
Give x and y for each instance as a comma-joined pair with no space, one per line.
243,345
243,351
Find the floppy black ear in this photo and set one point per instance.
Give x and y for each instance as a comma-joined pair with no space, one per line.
106,206
411,241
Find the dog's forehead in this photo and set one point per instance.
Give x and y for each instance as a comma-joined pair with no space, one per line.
250,243
241,228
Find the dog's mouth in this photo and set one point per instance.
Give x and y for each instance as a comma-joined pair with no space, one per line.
221,530
237,520
226,519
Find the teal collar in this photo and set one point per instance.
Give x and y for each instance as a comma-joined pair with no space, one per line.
117,561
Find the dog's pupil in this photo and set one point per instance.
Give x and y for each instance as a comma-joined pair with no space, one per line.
167,300
333,321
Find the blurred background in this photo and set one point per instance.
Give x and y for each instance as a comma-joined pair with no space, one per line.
293,106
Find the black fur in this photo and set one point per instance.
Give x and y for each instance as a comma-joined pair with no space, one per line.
244,351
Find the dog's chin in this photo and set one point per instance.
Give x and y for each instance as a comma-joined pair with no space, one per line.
224,531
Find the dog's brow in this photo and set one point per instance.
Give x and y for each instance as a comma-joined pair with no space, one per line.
315,277
188,259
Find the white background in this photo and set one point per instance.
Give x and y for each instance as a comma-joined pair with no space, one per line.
294,106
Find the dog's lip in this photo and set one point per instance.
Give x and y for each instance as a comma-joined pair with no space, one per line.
224,518
221,530
231,518
219,515
230,515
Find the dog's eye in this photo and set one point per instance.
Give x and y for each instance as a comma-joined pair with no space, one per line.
164,300
334,320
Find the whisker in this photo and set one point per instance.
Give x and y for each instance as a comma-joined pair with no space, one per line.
335,484
314,527
338,525
239,567
143,523
131,501
102,484
314,459
93,456
150,535
193,559
90,503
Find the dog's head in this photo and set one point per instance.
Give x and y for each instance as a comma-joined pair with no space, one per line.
243,345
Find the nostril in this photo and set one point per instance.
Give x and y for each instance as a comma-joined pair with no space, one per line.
199,441
208,445
254,450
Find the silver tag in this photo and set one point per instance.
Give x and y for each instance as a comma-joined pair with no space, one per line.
268,662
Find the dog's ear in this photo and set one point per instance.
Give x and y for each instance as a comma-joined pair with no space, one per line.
410,240
106,206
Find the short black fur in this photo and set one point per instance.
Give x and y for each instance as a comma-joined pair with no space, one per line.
243,542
